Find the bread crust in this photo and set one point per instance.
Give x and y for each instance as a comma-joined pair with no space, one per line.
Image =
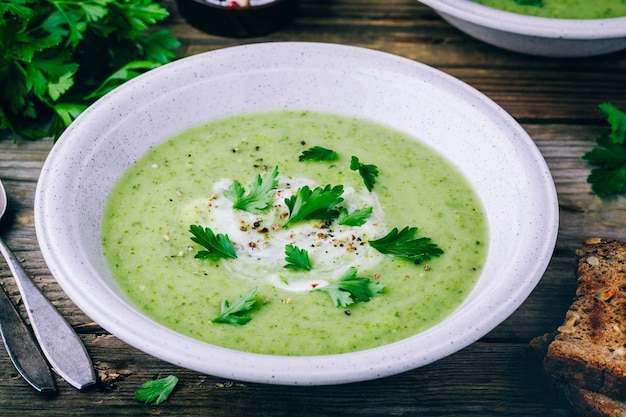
585,360
589,349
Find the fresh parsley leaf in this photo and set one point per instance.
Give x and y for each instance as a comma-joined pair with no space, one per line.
317,204
403,244
217,246
367,172
608,177
317,153
617,121
64,115
350,289
538,3
127,72
237,312
356,218
156,390
297,258
260,196
56,54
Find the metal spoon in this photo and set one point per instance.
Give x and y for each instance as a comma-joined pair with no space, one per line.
57,339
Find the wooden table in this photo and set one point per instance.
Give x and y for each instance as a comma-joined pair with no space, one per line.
556,102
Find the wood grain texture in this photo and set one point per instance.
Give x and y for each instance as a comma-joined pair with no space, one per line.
555,100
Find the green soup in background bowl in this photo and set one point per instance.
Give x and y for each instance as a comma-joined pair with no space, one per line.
412,112
562,9
551,30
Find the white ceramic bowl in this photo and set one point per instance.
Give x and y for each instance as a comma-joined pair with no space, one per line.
485,143
533,35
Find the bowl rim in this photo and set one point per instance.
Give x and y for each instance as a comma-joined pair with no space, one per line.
284,370
521,24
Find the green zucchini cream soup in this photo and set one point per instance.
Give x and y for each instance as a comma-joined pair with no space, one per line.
294,233
561,9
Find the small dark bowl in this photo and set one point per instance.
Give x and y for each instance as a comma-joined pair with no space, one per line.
238,22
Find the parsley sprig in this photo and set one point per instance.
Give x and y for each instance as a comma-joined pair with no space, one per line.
237,313
59,56
260,196
404,244
217,246
368,172
297,258
156,390
356,218
317,153
317,204
608,177
350,289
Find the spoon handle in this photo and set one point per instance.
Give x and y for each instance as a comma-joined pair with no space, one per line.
57,339
22,348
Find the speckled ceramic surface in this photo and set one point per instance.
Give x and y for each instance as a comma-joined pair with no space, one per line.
533,35
475,134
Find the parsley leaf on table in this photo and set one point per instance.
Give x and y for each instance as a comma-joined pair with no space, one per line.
260,196
156,390
608,177
317,153
617,121
356,218
403,244
217,246
57,54
367,172
297,258
317,204
350,289
237,312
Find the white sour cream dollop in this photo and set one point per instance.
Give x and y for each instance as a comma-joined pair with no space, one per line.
260,239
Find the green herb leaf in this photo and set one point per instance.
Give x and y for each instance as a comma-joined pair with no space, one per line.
617,121
350,289
608,177
538,3
260,196
367,172
156,390
317,204
403,244
317,153
64,115
217,246
56,52
297,258
356,218
119,77
237,313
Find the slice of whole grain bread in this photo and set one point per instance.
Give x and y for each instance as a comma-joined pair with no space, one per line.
585,359
589,349
591,404
583,402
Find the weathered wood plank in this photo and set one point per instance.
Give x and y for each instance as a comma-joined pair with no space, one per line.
484,379
555,100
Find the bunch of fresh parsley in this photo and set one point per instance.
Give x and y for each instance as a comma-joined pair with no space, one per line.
608,176
58,56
